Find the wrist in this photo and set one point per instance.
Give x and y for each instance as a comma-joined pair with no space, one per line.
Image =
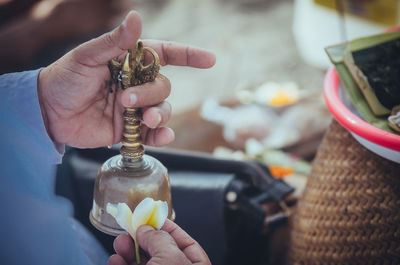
41,98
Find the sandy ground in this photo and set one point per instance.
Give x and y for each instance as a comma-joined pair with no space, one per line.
252,40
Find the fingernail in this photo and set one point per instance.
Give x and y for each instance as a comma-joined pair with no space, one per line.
154,123
172,133
158,119
145,228
132,99
126,18
123,24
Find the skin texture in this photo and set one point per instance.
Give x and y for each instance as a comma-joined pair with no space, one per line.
168,246
74,97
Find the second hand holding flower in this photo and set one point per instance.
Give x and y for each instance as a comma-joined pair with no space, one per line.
147,212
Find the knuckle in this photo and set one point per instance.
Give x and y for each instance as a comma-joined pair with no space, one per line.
109,39
155,236
161,233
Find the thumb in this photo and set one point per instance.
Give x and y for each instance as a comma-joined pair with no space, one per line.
111,44
160,244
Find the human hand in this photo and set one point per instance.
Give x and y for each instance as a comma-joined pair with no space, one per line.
74,97
168,246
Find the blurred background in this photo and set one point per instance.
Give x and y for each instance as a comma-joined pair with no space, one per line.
269,58
252,39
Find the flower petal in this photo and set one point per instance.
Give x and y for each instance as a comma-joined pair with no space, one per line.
112,209
142,213
160,214
147,212
123,215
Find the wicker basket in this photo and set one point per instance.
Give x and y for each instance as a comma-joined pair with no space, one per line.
350,211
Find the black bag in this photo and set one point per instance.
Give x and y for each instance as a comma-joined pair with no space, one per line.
232,208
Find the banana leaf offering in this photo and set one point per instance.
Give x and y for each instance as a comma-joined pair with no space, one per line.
369,69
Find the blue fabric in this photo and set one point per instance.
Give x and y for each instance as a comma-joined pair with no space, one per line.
36,227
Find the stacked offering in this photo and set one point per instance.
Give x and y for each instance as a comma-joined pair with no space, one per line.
369,69
350,209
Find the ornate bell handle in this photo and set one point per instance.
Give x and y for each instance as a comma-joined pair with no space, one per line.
133,72
156,59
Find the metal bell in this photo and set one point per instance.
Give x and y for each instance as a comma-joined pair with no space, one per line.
131,176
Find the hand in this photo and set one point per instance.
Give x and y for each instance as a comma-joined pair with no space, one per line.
168,246
74,97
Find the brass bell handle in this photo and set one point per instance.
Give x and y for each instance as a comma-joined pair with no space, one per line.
133,72
156,59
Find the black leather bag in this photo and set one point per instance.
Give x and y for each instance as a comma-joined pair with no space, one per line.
232,208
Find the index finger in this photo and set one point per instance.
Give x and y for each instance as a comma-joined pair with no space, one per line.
192,250
174,53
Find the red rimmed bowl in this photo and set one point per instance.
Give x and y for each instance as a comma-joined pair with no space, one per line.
381,142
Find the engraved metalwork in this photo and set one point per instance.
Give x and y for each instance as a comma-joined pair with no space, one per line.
133,72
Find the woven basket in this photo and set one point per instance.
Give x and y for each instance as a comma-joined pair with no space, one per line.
350,211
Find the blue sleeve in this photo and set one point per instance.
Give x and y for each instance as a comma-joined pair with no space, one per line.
36,227
19,92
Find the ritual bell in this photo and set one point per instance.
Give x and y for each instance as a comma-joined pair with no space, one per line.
130,176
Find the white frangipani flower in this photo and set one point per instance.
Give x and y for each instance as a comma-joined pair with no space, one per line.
123,215
150,212
147,212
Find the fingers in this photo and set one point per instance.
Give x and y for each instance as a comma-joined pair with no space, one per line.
151,94
111,44
123,246
116,260
147,94
153,117
183,55
160,245
157,137
171,245
188,245
157,115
